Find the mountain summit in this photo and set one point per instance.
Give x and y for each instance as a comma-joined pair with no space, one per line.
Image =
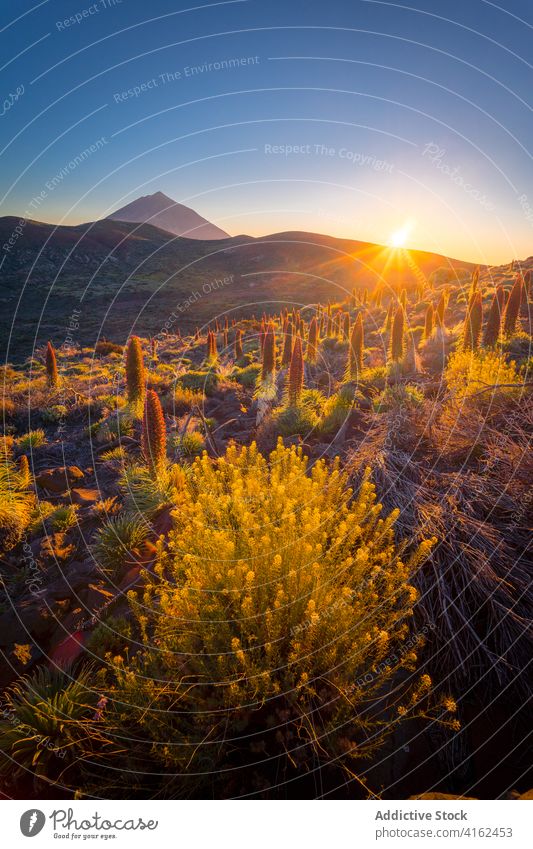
165,213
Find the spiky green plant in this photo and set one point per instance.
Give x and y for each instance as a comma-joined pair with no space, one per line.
31,440
116,539
190,445
512,309
295,383
473,323
355,354
397,336
16,504
494,320
135,376
52,376
48,723
312,341
429,320
154,436
268,366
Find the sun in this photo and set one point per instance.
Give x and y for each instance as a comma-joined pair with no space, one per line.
399,237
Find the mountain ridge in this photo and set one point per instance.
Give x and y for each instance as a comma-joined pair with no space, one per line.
162,211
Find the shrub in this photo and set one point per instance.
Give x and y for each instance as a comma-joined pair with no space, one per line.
184,400
199,381
293,617
190,444
55,413
115,458
115,540
336,410
248,375
63,517
469,373
31,440
295,421
398,395
103,348
112,636
145,495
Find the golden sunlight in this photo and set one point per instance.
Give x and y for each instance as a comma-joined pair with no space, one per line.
399,237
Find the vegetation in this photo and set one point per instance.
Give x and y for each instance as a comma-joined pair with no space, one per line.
273,543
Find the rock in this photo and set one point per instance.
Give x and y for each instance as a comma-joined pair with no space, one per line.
32,620
59,479
85,497
55,549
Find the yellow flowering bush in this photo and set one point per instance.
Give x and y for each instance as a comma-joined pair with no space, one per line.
469,372
276,618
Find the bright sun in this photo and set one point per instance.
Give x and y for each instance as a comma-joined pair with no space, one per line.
399,237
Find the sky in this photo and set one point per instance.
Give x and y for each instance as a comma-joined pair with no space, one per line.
358,118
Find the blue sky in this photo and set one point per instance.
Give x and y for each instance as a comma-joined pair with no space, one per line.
351,118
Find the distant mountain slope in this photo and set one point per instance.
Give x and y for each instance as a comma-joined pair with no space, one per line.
161,211
126,278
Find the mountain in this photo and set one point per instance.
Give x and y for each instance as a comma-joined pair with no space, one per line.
161,211
129,278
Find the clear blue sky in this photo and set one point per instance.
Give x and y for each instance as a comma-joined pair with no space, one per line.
394,113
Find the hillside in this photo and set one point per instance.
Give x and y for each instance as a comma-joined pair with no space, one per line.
164,536
161,211
125,277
